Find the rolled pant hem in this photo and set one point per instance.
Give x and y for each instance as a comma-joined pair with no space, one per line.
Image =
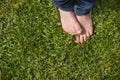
66,9
81,14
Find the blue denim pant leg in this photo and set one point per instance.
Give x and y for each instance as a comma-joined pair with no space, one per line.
66,5
83,7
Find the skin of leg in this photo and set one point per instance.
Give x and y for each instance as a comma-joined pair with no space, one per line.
69,22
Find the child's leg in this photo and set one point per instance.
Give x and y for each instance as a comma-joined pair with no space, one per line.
82,11
69,21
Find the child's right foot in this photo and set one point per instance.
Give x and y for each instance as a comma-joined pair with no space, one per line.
70,23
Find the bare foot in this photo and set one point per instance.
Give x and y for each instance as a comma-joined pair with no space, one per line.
70,23
86,23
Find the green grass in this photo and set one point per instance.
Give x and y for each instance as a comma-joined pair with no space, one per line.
33,45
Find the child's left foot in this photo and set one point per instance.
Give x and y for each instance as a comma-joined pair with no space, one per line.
86,23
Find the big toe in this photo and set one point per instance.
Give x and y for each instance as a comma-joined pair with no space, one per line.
78,29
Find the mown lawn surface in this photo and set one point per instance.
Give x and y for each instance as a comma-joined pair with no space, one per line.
33,45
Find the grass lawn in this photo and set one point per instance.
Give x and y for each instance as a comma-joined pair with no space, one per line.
33,45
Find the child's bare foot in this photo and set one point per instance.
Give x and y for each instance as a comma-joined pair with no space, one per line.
70,23
86,23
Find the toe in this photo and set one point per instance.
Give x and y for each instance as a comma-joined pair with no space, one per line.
78,29
71,31
84,37
90,32
87,34
77,39
81,39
